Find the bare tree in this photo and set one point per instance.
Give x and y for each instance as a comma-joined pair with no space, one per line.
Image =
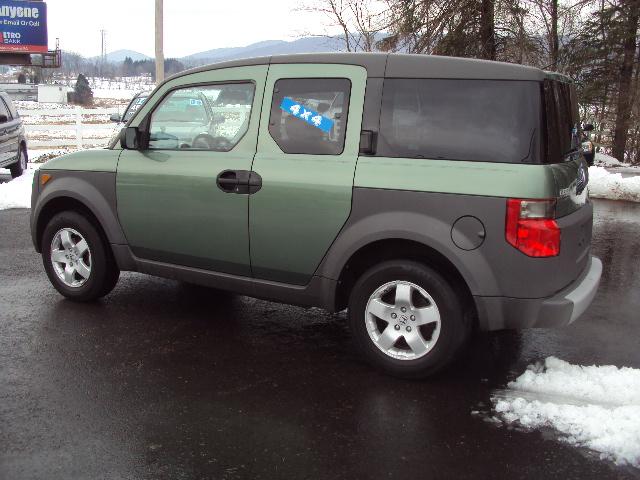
360,22
553,24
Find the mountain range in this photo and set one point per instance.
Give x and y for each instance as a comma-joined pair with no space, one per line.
119,56
259,49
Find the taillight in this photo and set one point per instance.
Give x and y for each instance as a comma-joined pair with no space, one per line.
531,228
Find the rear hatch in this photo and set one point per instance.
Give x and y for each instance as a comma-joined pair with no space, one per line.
563,154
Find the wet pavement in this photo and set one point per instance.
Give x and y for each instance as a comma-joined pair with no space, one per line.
163,380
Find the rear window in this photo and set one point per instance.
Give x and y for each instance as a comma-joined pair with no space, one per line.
562,121
472,120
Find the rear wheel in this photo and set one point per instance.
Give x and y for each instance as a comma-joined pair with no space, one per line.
407,319
77,260
20,166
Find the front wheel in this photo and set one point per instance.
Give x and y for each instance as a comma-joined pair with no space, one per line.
407,319
77,260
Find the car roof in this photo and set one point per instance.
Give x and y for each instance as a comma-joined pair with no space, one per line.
395,65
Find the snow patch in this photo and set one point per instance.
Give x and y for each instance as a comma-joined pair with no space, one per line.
604,184
124,94
597,407
17,192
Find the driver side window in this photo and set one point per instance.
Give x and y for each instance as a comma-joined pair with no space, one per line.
210,117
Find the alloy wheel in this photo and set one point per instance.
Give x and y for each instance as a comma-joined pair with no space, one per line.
71,257
402,320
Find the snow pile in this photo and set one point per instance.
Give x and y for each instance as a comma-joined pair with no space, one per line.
603,184
17,192
604,160
593,407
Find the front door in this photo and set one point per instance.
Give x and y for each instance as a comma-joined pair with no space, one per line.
177,200
307,152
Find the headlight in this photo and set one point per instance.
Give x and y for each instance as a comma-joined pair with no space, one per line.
587,146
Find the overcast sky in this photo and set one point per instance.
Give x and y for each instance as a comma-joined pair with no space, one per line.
190,26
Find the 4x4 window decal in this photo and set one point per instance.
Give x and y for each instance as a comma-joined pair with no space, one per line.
303,113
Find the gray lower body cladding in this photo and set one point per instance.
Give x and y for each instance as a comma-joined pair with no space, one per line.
94,190
498,313
493,268
470,232
319,292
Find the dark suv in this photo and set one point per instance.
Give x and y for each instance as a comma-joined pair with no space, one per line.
13,144
430,196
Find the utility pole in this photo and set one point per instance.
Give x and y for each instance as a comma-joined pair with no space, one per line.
159,40
103,50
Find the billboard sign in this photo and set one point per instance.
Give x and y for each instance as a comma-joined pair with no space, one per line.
23,26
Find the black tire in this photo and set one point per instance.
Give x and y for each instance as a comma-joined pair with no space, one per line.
455,324
20,166
104,270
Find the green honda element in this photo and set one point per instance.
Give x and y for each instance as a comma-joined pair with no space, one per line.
429,196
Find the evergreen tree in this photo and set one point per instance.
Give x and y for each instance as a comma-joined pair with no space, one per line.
82,93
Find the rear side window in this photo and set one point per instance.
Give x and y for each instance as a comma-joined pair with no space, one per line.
309,115
473,120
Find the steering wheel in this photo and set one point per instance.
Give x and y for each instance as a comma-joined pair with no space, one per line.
208,142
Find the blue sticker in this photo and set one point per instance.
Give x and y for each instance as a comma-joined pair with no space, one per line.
195,102
303,113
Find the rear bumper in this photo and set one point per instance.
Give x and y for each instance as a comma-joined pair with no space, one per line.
497,313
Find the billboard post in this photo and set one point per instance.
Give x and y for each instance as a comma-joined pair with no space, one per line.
23,27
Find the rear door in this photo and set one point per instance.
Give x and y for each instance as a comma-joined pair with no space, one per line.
563,146
171,203
307,152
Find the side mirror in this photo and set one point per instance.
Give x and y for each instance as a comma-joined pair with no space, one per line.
130,138
4,119
115,117
587,127
368,140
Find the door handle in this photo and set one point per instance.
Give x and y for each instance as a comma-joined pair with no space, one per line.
228,181
239,181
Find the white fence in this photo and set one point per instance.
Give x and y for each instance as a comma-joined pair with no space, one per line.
68,127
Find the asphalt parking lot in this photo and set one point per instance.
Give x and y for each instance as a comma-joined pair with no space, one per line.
163,380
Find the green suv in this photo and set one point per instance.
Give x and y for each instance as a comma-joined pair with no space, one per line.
430,196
